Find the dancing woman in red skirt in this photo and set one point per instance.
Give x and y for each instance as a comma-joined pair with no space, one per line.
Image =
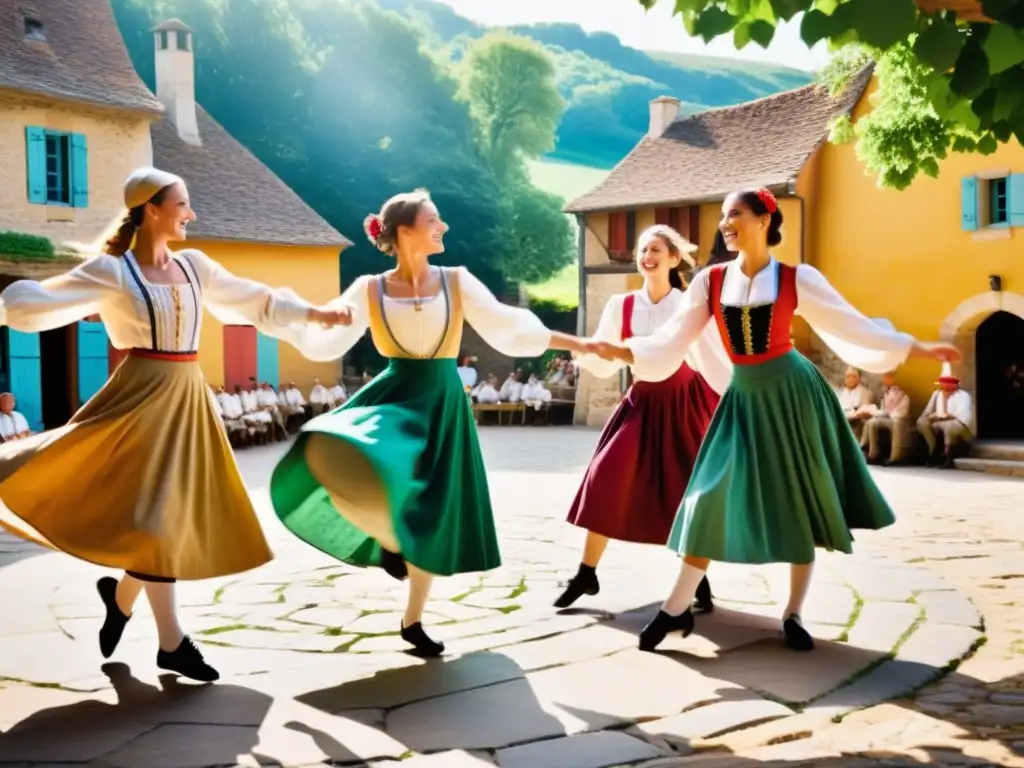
639,472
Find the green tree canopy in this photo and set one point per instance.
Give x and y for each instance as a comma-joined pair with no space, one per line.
945,83
510,86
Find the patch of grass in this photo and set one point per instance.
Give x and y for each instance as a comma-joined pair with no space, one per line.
519,590
858,606
567,180
563,288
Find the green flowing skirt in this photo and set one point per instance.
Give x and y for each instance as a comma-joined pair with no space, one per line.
413,424
779,472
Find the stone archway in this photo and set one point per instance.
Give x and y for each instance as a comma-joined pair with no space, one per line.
961,325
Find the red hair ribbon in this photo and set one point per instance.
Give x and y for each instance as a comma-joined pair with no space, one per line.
768,200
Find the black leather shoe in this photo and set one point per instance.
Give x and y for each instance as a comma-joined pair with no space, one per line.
653,634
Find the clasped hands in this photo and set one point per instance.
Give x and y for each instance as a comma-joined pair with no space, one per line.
330,317
603,349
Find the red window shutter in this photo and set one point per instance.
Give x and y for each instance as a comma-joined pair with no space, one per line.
663,216
674,217
617,232
693,226
239,355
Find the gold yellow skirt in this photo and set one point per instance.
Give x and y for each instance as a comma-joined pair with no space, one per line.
142,478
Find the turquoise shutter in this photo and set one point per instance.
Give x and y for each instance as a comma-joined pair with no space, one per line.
969,203
79,171
92,359
35,162
266,360
1015,200
26,376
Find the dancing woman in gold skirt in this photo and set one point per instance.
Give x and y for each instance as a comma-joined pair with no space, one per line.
142,478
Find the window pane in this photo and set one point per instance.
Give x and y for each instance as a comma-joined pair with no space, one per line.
58,187
997,201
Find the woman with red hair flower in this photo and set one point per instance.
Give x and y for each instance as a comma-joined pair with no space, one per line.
779,472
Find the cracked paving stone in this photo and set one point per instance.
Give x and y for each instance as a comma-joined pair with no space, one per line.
714,719
325,617
457,758
289,641
585,750
881,625
949,607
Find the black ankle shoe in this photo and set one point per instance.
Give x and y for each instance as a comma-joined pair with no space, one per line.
797,638
661,625
420,641
703,601
393,564
114,623
187,661
583,583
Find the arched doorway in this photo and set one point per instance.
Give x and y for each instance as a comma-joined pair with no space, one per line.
999,355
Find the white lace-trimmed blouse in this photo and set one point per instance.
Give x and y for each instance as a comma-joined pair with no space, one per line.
706,355
513,331
143,315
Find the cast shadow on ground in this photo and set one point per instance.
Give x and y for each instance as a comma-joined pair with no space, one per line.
175,724
488,703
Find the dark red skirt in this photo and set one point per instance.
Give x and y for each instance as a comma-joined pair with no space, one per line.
636,480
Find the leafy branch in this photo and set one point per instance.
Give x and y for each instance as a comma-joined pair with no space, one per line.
945,83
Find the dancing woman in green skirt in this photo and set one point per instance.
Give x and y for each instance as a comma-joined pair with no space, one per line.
394,478
779,472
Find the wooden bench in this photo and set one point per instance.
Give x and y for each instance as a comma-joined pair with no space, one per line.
499,408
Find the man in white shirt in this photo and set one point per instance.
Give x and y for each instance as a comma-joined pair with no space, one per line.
467,372
267,399
320,398
892,419
338,393
230,412
950,413
512,390
535,394
487,391
13,425
856,400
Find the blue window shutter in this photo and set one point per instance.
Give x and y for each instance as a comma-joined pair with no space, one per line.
1015,200
266,360
79,171
26,376
35,162
92,359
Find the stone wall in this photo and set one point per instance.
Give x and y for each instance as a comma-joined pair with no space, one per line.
597,398
834,369
117,144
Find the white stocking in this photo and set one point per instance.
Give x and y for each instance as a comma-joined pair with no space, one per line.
799,583
681,597
165,612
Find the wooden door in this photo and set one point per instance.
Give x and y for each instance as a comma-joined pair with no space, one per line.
239,355
23,362
93,359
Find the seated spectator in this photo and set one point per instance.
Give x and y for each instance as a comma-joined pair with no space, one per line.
855,399
512,389
891,420
320,398
535,394
338,393
949,414
13,425
487,391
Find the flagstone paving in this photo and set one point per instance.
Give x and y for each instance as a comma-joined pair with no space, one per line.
314,672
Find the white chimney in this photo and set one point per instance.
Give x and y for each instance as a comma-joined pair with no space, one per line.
664,112
175,77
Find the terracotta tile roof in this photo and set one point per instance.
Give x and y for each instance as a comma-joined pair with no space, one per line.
82,59
705,156
236,197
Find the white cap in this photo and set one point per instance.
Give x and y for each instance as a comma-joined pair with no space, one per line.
143,183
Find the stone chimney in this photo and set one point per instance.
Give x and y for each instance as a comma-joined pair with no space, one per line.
175,77
664,112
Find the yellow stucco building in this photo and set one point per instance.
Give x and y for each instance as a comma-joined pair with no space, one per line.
938,260
75,120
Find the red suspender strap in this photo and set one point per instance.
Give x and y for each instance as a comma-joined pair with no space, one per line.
627,316
785,308
716,279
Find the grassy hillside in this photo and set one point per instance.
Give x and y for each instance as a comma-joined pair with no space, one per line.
568,181
608,85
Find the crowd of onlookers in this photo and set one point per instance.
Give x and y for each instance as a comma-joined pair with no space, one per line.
887,432
258,414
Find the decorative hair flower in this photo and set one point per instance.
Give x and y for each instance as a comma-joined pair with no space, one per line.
768,200
373,226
